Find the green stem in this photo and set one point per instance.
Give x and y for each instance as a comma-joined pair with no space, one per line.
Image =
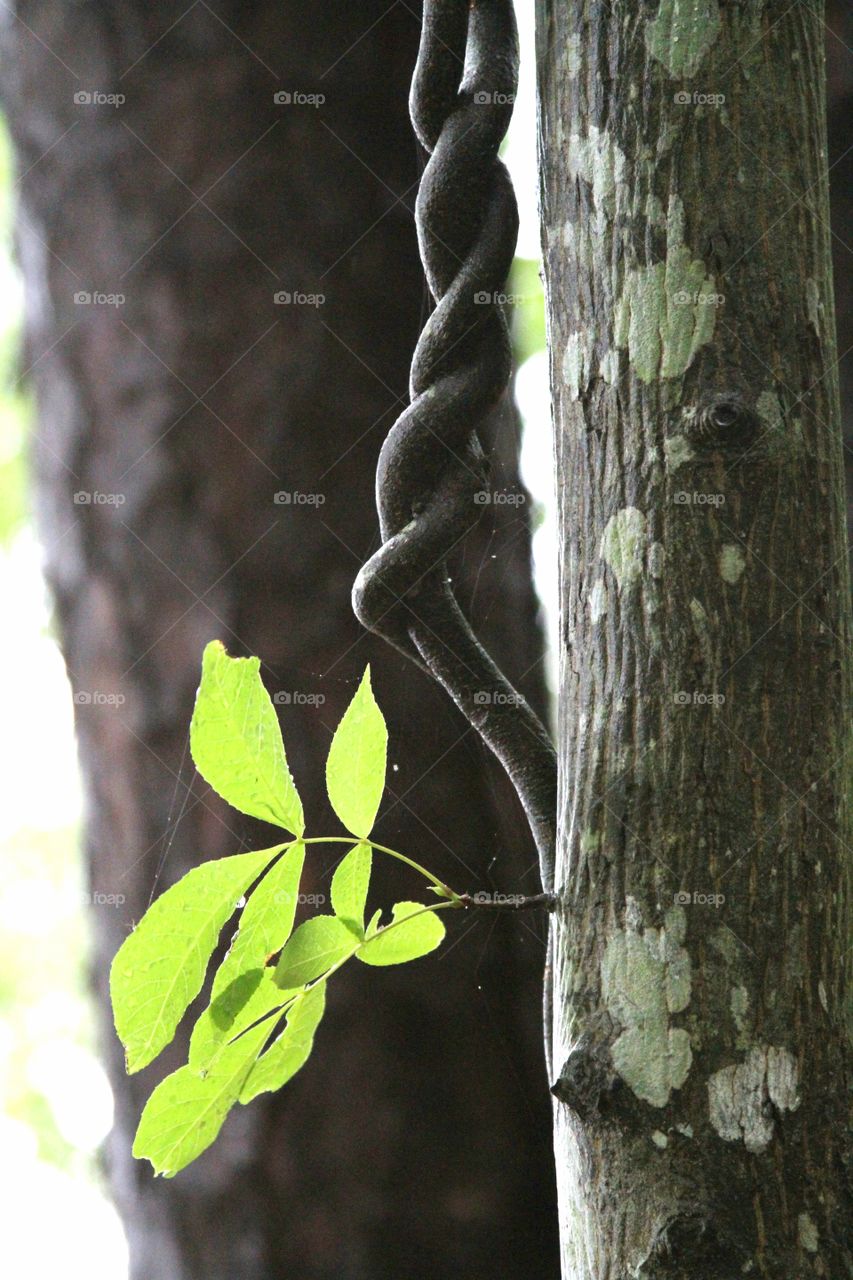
381,848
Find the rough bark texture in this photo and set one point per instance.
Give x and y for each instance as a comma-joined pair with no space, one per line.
419,1134
839,92
698,1042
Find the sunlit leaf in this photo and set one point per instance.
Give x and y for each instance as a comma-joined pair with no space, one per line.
185,1112
159,968
243,989
236,743
408,936
355,769
373,924
312,950
247,1000
291,1049
350,884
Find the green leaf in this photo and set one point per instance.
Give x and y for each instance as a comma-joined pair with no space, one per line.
407,937
373,924
252,996
350,884
236,742
315,946
291,1049
355,769
243,988
186,1111
159,969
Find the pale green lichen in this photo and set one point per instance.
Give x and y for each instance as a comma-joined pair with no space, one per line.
623,545
725,942
699,618
577,363
590,841
739,1003
610,366
738,1096
654,210
677,960
677,450
573,55
814,306
598,160
666,311
703,630
682,33
657,559
807,1236
659,1139
769,409
598,601
732,563
645,977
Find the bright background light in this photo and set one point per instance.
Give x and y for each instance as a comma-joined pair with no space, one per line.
56,1105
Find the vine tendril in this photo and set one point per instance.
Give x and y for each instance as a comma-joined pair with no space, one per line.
432,466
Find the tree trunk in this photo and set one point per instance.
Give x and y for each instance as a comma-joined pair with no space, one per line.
705,682
839,92
181,407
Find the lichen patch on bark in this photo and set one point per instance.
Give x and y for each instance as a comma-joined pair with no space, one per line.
657,559
623,545
577,363
599,161
682,33
598,601
807,1233
738,1096
732,563
645,977
769,409
678,450
667,310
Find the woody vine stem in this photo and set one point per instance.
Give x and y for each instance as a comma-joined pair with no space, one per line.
432,464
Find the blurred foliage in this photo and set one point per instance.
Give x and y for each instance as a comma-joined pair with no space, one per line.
43,1009
14,406
527,317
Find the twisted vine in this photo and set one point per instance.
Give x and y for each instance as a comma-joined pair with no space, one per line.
432,465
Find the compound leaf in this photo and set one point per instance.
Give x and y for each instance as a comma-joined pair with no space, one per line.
316,945
414,931
350,884
236,742
158,970
355,769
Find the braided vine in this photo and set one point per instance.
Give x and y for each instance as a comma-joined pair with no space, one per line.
432,465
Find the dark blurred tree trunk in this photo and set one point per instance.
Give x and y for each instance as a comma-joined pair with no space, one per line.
699,1025
417,1143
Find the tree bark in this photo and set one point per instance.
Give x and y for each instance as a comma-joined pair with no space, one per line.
839,92
418,1135
705,648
